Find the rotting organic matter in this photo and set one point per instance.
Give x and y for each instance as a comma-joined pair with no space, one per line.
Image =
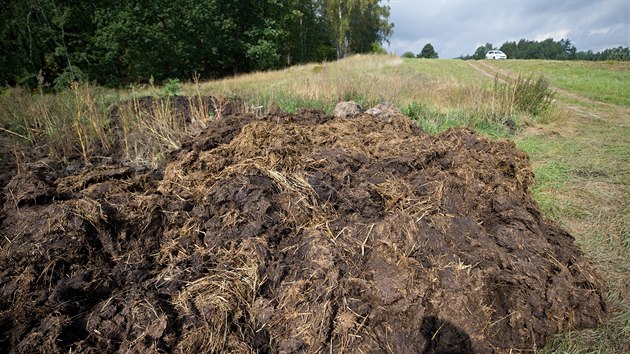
293,233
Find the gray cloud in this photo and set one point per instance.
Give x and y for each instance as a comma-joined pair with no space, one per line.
456,27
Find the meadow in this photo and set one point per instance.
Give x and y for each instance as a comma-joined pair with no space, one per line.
578,142
605,81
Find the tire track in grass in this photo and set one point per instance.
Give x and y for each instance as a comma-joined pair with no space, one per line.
586,107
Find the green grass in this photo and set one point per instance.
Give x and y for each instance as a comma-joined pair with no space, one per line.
443,69
434,121
582,169
552,175
603,81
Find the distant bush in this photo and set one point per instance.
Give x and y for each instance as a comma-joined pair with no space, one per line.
618,53
377,48
408,55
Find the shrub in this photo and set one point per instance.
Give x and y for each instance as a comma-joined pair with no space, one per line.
408,55
171,87
526,94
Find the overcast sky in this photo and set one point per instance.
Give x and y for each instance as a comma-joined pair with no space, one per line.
456,27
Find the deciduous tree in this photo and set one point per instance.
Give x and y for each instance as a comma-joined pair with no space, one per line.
428,52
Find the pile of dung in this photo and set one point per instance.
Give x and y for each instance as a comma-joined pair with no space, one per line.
292,233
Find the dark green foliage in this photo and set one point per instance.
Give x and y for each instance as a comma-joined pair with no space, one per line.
547,49
510,49
550,49
38,39
618,53
428,52
46,42
355,25
377,48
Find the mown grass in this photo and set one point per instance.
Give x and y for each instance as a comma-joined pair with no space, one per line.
607,81
452,70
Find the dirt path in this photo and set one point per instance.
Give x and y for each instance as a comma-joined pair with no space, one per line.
484,70
588,108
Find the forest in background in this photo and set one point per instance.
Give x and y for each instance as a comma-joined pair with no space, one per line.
50,43
549,49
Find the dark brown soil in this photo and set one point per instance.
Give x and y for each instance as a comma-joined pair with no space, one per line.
292,233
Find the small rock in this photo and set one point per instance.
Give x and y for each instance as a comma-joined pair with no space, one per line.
384,111
348,109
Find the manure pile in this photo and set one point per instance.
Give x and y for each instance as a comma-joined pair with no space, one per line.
292,233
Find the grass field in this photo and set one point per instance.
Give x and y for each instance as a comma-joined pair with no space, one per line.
601,81
579,149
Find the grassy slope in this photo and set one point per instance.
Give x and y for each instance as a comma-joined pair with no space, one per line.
366,79
443,92
602,81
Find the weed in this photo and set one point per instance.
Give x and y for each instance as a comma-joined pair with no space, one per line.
529,95
149,129
200,110
533,96
171,87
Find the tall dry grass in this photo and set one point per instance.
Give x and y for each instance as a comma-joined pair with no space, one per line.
69,124
445,87
77,122
81,123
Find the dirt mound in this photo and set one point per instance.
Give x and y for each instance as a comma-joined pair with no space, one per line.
293,233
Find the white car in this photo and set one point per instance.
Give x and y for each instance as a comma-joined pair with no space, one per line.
496,54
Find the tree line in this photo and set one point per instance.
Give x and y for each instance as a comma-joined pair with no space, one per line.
49,42
549,49
427,52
